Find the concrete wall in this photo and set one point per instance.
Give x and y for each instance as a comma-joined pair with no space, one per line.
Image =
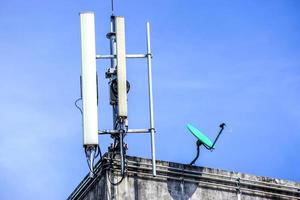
179,182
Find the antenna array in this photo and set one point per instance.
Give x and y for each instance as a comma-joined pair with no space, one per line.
118,87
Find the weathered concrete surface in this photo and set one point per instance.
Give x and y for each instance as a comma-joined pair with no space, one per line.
179,182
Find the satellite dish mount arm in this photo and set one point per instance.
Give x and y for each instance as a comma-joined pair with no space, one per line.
222,126
198,143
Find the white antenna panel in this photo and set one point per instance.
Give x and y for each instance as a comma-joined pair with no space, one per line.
89,81
121,67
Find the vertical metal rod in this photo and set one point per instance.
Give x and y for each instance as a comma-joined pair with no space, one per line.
122,152
113,62
152,129
112,44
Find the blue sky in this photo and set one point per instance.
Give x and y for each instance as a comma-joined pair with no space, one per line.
214,61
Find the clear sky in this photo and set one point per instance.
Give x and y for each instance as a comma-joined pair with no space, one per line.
217,61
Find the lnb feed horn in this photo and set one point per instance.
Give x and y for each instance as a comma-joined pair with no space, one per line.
88,79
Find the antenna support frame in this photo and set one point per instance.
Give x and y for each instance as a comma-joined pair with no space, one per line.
120,122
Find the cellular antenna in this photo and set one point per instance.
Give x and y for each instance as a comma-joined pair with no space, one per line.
116,74
89,87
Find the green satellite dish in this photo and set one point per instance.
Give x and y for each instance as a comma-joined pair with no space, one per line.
203,139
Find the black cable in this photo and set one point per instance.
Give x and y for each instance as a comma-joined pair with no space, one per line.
112,169
88,163
118,182
90,168
98,152
77,100
97,88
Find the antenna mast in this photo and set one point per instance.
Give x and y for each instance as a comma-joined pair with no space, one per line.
112,7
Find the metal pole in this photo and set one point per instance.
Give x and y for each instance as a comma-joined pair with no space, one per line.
113,61
111,56
136,56
152,129
121,143
103,132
